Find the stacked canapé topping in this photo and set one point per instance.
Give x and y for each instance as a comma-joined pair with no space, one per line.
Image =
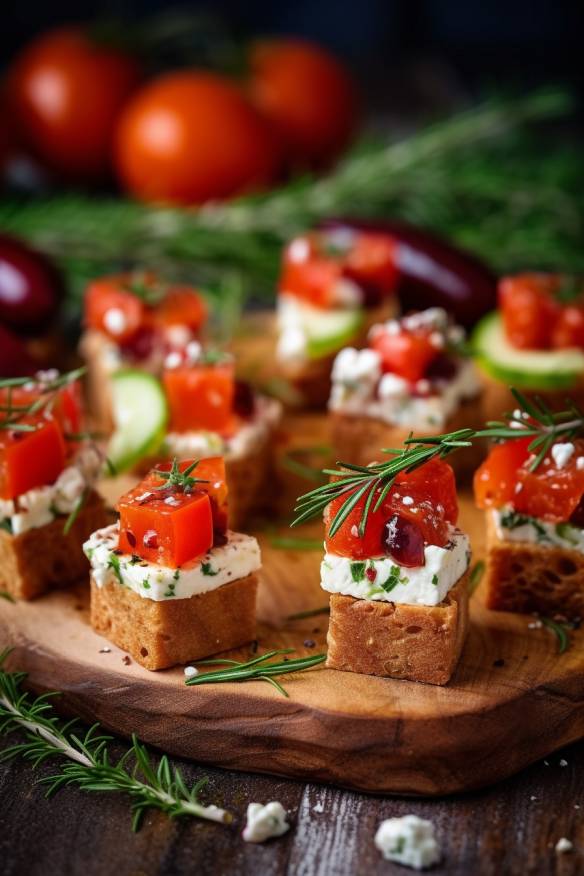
329,279
46,465
172,540
408,550
412,373
210,411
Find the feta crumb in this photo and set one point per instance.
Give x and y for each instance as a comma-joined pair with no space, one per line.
264,822
580,463
353,365
173,360
191,671
115,321
193,351
563,762
562,453
564,845
392,386
409,841
299,250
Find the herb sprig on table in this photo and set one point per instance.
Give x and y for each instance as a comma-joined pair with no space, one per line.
259,668
372,483
84,760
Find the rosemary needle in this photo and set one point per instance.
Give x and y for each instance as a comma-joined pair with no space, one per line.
560,632
256,669
475,576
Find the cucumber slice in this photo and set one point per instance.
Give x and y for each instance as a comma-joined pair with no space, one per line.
329,331
527,369
140,416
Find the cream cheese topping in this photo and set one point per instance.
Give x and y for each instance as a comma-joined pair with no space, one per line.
513,526
264,822
221,565
42,505
251,436
383,580
409,841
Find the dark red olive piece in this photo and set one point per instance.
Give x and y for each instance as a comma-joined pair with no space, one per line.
433,272
31,287
140,346
443,367
131,538
243,400
402,539
15,360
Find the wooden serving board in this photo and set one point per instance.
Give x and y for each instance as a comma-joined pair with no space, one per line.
512,700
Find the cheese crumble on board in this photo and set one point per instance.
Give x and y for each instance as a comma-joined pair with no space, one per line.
264,822
408,840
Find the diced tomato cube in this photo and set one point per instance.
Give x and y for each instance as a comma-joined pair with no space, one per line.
529,309
496,479
550,492
200,397
166,529
30,459
406,354
111,308
182,305
65,404
569,328
426,497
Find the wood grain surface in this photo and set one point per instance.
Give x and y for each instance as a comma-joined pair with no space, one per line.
512,700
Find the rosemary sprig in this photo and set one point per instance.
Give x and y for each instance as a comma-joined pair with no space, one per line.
354,483
12,414
560,631
4,594
311,612
475,576
75,512
177,479
259,668
84,760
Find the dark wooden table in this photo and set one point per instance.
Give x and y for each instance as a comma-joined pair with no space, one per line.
511,828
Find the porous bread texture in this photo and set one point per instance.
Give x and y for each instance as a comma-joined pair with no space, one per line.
526,577
163,634
413,642
360,439
46,558
311,379
98,380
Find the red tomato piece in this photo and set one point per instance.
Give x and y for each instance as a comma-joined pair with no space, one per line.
549,492
30,459
496,478
569,328
406,354
212,472
182,305
372,263
66,405
433,506
112,309
200,397
529,309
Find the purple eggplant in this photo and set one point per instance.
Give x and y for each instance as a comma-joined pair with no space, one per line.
433,272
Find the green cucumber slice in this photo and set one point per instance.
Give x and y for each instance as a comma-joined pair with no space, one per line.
329,331
525,369
140,416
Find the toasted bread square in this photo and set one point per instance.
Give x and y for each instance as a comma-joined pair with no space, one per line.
526,577
360,440
45,558
163,634
414,642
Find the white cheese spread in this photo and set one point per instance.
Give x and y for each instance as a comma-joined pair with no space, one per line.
391,399
42,505
249,438
264,822
513,526
221,565
409,841
383,580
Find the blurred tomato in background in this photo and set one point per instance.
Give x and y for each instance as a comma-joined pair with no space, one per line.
192,136
308,95
66,91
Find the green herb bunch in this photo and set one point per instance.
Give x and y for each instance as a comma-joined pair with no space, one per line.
84,761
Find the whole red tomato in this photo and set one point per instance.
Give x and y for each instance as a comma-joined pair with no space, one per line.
308,95
190,137
67,92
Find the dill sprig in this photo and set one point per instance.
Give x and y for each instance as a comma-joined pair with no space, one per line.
84,759
257,669
12,414
371,484
177,479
